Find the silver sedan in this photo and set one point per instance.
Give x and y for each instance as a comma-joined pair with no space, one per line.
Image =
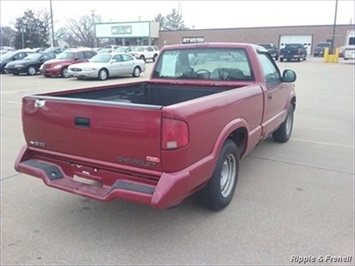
105,65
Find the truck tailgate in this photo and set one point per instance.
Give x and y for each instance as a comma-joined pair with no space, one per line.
119,133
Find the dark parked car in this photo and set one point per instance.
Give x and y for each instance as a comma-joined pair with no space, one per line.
272,49
58,67
29,65
320,47
293,51
56,50
12,56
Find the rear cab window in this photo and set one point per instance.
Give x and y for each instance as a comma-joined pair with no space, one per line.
210,64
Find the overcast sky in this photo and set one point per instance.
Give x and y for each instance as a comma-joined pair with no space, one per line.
196,14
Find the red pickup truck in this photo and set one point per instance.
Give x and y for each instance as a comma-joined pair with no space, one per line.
156,142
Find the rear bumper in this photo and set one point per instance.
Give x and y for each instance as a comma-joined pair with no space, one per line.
167,190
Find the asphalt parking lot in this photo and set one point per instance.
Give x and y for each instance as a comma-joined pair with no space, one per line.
293,199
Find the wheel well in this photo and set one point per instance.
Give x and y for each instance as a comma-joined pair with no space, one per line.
104,68
293,102
239,137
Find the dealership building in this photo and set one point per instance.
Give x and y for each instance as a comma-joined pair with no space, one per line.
148,33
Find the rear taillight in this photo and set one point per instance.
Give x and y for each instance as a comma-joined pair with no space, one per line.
175,134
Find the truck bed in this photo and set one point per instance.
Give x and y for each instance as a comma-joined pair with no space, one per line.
146,93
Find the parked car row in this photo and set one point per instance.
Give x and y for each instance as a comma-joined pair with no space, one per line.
144,53
82,63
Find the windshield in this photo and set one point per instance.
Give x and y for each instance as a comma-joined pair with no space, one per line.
213,64
323,45
122,49
32,57
65,55
267,46
101,58
293,46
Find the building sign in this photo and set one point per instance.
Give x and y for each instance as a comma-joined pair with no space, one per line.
192,39
116,30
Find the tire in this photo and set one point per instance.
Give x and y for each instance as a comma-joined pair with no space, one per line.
142,57
281,59
299,59
136,72
220,189
154,57
31,71
283,133
103,74
64,73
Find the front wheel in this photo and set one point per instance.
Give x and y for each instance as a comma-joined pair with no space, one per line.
220,189
103,75
283,133
142,57
64,73
31,71
136,72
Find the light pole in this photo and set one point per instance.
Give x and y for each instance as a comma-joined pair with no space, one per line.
23,30
93,27
334,26
52,22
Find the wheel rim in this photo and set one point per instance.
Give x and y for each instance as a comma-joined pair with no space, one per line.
228,175
289,121
103,75
65,73
136,72
31,71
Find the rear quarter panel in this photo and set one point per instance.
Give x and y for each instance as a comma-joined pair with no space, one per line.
211,119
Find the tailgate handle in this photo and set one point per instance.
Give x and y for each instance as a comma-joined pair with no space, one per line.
82,122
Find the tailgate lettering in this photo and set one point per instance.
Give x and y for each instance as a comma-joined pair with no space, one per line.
136,161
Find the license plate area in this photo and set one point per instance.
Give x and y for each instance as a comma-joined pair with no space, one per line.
87,181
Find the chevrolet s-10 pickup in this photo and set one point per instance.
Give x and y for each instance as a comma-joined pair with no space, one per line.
156,142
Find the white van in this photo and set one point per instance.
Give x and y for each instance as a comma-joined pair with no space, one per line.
349,46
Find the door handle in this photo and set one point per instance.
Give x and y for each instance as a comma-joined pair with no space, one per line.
82,122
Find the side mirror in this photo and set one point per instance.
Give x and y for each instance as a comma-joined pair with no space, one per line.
113,61
289,75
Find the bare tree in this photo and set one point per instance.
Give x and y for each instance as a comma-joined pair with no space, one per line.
7,36
83,29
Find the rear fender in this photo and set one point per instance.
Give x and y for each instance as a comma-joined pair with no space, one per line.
226,132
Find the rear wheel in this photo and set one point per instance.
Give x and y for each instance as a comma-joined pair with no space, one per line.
31,71
281,59
103,74
221,187
283,133
136,72
64,73
154,57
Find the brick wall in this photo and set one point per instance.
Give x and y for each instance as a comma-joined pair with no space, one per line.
320,33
